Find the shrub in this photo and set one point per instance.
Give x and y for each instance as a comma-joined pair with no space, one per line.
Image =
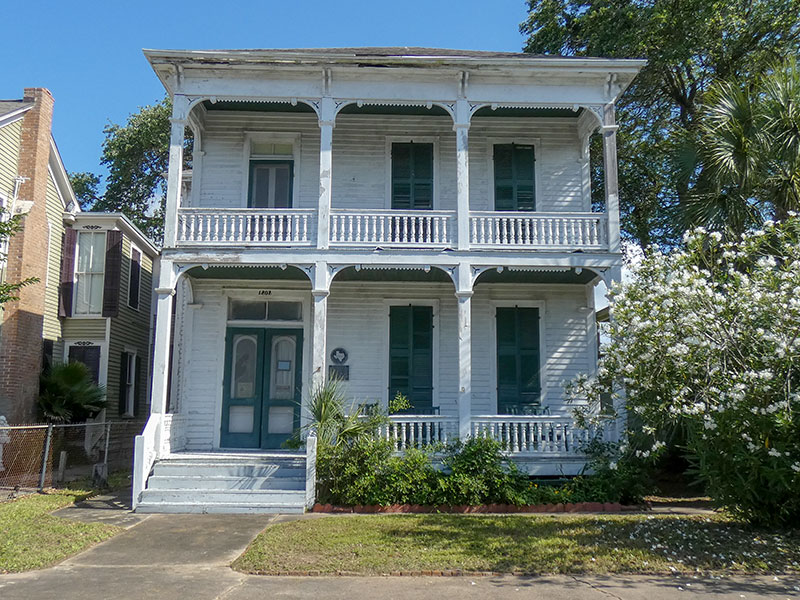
706,339
67,394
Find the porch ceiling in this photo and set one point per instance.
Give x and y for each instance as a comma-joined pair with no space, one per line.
434,275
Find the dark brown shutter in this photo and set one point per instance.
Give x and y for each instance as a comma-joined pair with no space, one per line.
69,241
133,279
137,382
112,273
123,379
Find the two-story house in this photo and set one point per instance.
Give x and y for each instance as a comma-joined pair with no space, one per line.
93,295
409,220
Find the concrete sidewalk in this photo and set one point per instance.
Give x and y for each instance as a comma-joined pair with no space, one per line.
187,556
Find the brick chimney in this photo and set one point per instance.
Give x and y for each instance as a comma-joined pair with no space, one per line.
21,332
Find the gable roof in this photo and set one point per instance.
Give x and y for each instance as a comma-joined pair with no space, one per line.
10,110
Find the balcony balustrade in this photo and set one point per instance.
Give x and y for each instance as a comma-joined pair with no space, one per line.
423,229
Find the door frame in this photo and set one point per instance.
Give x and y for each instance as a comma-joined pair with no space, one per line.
240,290
493,306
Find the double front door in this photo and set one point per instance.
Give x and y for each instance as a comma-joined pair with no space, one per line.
262,387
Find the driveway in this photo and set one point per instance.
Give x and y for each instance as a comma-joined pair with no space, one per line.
187,556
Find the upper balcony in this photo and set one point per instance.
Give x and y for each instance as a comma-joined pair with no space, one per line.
369,229
324,150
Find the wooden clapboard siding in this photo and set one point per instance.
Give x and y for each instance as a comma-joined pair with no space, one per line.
51,327
131,329
84,329
9,153
360,166
358,322
222,172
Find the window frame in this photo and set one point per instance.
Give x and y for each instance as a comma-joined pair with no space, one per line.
135,248
405,139
272,137
491,142
75,273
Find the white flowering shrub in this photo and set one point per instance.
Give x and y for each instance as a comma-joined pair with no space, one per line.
707,338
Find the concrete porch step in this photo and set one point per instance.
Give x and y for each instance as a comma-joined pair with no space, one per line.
226,482
210,496
218,508
230,469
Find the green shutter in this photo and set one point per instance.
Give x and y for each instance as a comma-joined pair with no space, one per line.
518,373
411,355
412,176
514,177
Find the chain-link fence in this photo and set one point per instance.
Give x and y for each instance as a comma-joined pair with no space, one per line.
40,456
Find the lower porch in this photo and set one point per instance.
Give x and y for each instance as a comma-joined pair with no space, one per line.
252,343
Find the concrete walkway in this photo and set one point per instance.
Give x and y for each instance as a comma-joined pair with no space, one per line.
187,556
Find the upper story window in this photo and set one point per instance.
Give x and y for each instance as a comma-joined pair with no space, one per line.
89,273
270,184
134,278
412,176
271,174
514,177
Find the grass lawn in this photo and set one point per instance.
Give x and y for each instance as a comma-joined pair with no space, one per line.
32,538
530,544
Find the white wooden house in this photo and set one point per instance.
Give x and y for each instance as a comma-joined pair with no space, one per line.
411,220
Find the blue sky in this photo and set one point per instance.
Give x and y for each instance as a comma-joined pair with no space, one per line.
89,53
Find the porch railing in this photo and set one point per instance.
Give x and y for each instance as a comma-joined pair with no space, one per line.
531,434
562,231
392,228
523,434
417,431
252,226
145,452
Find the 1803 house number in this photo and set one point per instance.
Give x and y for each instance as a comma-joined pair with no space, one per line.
264,292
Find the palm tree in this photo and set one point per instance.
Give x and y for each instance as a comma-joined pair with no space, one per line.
745,161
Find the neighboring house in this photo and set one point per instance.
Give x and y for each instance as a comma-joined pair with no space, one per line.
411,220
93,300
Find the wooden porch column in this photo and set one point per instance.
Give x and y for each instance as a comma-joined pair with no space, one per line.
461,127
320,326
180,107
326,123
611,177
161,343
464,295
614,276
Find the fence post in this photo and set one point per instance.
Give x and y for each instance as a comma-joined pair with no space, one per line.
108,438
44,456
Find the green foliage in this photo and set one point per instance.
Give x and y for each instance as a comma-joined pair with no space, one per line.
365,471
9,225
67,394
86,187
706,341
399,403
748,153
330,422
689,45
137,157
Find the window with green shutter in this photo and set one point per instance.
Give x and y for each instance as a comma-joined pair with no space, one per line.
411,356
412,176
519,386
514,172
